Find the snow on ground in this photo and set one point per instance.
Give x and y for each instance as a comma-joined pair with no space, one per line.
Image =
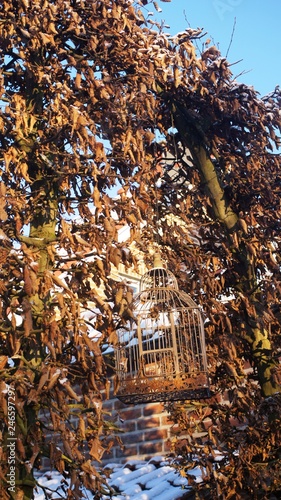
135,480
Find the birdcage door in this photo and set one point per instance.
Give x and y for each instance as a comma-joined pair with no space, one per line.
156,337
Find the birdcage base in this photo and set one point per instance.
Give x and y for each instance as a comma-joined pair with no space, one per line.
158,397
148,390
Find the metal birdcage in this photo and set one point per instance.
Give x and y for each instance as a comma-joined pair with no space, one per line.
161,355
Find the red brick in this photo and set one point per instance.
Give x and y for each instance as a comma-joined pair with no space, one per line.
108,455
146,423
107,405
153,408
127,452
130,413
149,449
155,434
118,405
128,426
167,446
132,438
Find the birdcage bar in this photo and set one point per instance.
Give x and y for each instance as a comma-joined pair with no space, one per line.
161,356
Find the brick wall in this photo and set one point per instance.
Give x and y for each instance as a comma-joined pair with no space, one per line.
145,431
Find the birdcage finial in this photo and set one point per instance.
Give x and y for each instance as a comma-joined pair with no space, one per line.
158,263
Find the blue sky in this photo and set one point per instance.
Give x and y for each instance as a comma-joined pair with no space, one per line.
256,39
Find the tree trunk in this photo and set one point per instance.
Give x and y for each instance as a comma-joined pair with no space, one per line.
257,336
42,232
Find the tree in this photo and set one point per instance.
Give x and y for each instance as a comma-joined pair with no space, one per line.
230,194
87,90
59,104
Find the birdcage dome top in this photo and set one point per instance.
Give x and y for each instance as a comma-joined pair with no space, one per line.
159,284
158,277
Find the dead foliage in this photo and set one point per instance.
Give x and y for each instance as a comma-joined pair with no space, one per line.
86,90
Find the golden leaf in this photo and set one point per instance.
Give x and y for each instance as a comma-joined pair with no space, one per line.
43,379
96,197
78,81
115,255
243,225
3,361
96,449
20,448
107,389
116,384
51,28
113,337
119,294
56,373
30,281
177,78
81,430
23,170
109,226
92,382
2,190
8,157
228,322
46,39
131,218
70,391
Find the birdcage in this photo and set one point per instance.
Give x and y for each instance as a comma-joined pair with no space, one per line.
160,354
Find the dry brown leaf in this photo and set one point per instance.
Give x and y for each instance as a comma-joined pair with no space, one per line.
96,450
96,197
3,362
43,379
70,391
81,429
107,389
55,373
